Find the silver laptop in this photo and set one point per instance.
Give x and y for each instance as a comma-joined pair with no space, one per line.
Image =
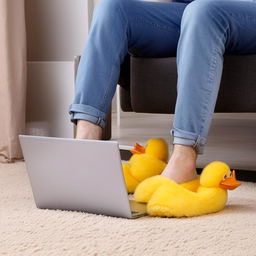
80,175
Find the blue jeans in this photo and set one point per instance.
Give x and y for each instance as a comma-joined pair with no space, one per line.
198,33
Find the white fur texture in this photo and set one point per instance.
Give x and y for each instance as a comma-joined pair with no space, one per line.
28,231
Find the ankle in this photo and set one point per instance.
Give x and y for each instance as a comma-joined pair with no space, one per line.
182,164
88,130
185,152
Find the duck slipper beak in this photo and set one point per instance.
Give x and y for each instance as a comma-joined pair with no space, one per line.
230,182
138,149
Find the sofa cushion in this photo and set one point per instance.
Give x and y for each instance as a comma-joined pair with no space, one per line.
153,84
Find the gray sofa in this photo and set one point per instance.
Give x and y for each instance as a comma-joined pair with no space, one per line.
148,85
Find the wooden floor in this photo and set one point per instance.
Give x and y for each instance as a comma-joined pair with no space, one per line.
232,137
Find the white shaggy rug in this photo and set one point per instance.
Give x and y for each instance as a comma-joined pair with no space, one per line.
26,230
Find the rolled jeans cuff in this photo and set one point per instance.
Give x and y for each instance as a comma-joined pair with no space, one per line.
189,139
88,113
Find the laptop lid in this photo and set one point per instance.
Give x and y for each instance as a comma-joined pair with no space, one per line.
73,174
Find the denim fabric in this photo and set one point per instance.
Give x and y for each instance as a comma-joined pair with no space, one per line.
199,33
208,29
183,1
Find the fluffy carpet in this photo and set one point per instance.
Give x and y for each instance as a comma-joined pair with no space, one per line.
26,230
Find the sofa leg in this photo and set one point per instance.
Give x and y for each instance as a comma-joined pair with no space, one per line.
107,131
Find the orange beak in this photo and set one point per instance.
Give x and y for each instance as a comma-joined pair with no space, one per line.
230,182
138,149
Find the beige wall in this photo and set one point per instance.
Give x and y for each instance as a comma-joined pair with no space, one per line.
56,31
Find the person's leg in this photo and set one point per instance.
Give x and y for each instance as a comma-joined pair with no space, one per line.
208,29
118,27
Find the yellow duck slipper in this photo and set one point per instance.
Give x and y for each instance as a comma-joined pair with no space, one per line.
145,162
145,189
166,198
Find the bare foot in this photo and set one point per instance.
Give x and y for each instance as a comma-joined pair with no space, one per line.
182,164
88,130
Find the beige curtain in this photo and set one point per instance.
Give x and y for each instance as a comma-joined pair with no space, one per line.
12,78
